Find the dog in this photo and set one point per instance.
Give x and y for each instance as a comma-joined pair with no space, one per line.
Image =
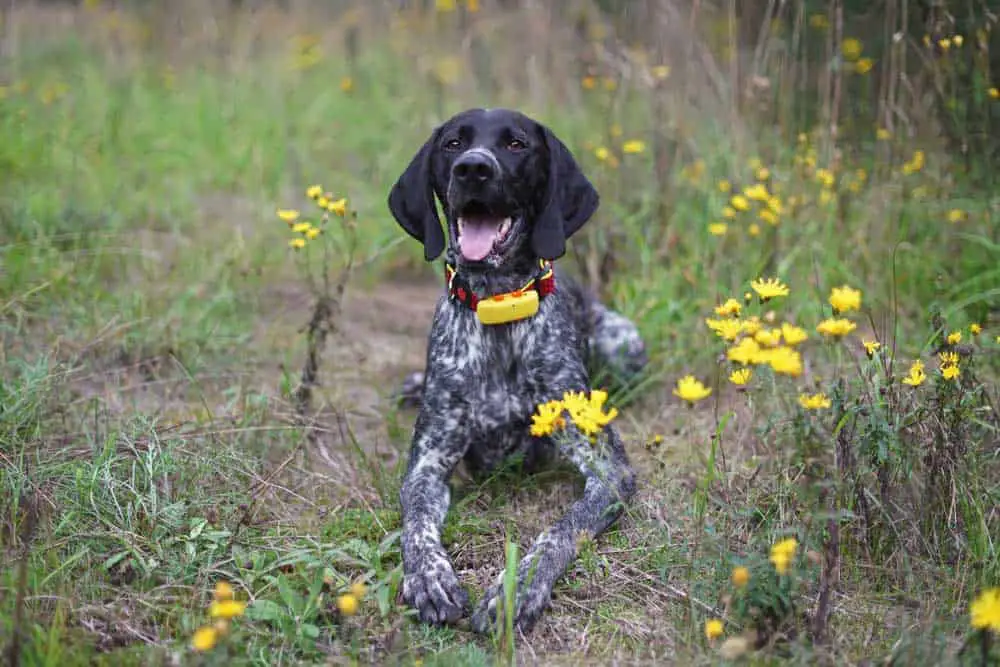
509,333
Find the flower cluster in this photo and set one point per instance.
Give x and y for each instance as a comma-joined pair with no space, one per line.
306,230
223,609
349,603
783,553
755,203
585,412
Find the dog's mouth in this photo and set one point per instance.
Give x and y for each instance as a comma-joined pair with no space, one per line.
482,231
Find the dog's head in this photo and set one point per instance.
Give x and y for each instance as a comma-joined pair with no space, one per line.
509,188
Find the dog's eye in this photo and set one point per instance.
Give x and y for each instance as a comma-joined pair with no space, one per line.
516,145
453,144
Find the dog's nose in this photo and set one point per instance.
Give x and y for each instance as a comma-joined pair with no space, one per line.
474,169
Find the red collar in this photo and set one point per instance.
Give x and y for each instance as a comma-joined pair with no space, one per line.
507,307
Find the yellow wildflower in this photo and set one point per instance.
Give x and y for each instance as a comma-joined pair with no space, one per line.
883,134
944,43
718,228
713,629
313,232
347,604
985,611
948,358
314,191
547,418
301,227
297,244
845,299
958,40
954,338
741,376
752,324
729,212
741,576
851,48
753,229
769,288
223,591
346,84
956,215
784,361
915,164
763,173
782,554
633,146
818,401
768,337
916,376
756,192
836,327
226,609
864,65
358,589
205,639
792,334
826,177
289,215
727,329
994,93
747,351
774,204
768,216
691,390
602,153
725,186
588,83
338,207
871,347
322,201
950,371
730,307
740,203
588,413
975,329
660,72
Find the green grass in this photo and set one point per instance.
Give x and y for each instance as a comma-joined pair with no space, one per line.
151,339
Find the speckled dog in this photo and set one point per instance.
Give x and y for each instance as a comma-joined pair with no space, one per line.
508,334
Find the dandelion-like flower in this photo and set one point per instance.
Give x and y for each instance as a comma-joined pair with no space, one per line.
314,191
741,376
297,244
975,329
358,589
587,413
769,288
289,215
740,203
745,352
792,334
851,48
768,337
691,390
757,192
836,327
731,307
782,554
954,338
725,186
728,212
205,639
985,611
223,591
950,371
845,299
718,228
818,401
226,609
301,227
727,329
752,324
548,418
916,375
313,232
347,604
713,629
740,576
784,361
633,146
956,215
338,207
871,347
864,65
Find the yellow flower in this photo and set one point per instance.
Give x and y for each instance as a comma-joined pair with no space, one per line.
958,40
346,84
756,192
547,419
747,351
864,65
768,337
985,611
774,204
944,43
784,361
322,202
602,153
314,191
730,307
297,244
347,604
975,329
633,146
815,402
313,232
717,228
836,327
950,371
845,299
691,390
915,164
740,203
223,591
729,212
763,173
782,554
338,207
301,227
769,288
753,229
713,629
994,93
289,215
954,338
768,216
851,48
205,639
741,576
588,413
883,134
792,334
725,186
752,324
727,329
948,358
871,347
826,177
588,83
226,609
956,215
741,376
660,72
916,376
358,589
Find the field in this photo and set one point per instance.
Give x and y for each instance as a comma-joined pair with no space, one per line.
195,388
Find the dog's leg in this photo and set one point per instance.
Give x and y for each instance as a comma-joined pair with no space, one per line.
429,582
617,349
610,484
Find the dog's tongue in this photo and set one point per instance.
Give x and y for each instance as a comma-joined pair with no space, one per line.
477,237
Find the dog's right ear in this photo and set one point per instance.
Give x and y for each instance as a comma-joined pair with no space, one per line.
412,202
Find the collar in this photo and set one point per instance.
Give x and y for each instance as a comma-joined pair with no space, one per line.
509,306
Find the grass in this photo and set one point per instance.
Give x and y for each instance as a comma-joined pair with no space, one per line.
154,326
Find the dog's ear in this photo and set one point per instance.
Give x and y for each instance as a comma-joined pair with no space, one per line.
412,201
568,202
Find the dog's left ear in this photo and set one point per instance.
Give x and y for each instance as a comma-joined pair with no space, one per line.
412,201
568,203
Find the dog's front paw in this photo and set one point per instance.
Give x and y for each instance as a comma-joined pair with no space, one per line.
529,604
434,591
